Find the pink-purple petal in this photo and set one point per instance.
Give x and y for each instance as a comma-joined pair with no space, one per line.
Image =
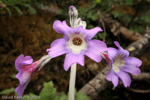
21,60
62,28
92,32
20,78
121,50
117,44
24,79
131,69
94,49
109,75
27,60
18,61
112,77
112,53
133,61
115,80
125,78
71,58
89,33
58,47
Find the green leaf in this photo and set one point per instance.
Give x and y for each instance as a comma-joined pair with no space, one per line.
48,91
8,10
31,10
18,10
129,2
80,96
98,1
101,36
63,97
16,4
31,96
117,14
13,76
8,91
146,18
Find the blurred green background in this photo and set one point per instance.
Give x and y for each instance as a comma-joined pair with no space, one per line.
26,28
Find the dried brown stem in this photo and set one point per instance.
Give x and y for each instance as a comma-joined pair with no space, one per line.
116,28
138,91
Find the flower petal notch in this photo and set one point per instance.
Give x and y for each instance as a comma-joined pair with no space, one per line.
26,68
76,42
121,64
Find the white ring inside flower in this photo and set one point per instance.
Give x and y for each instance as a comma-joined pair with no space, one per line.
118,63
76,43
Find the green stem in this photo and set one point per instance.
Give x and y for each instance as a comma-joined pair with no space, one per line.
72,82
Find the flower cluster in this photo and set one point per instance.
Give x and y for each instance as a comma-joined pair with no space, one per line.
76,42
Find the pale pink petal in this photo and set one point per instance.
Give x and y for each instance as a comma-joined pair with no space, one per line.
24,79
58,47
125,78
62,27
94,49
21,60
131,69
112,77
132,61
121,50
18,61
89,33
71,58
27,60
112,53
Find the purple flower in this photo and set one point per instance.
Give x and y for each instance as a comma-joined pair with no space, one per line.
76,43
26,67
121,64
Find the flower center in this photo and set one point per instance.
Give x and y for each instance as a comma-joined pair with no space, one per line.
77,41
118,63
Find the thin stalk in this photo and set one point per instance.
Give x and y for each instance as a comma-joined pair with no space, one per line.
72,82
